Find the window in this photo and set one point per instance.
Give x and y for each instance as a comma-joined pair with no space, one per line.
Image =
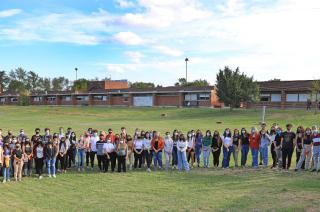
204,96
100,98
275,97
13,99
82,98
303,97
125,97
66,98
191,97
264,97
292,97
37,98
51,98
2,99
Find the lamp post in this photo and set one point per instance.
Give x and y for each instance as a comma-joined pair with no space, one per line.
76,69
186,69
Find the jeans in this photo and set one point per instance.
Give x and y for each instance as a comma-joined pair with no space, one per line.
157,160
92,156
206,156
6,173
81,155
51,166
168,156
264,153
121,163
182,160
39,166
198,154
147,156
316,156
226,156
254,153
137,159
244,154
174,156
305,156
235,153
279,156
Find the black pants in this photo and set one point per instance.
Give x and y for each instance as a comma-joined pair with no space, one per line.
87,158
92,156
137,158
39,165
274,156
189,155
216,157
101,162
174,156
28,166
121,163
298,157
71,158
112,159
286,154
147,157
63,161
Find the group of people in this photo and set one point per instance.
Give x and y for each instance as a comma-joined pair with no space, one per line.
61,151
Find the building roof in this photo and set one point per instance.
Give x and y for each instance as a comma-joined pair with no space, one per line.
294,85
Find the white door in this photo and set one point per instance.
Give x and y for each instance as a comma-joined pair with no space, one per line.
143,101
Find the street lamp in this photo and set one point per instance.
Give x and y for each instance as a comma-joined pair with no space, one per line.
186,69
76,69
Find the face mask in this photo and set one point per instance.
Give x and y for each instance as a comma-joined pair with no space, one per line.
95,134
22,133
9,133
227,131
315,131
189,135
253,131
47,132
108,141
308,132
121,142
208,134
37,132
279,132
175,133
243,132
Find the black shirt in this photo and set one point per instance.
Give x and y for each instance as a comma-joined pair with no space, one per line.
235,140
215,142
307,140
245,140
277,139
288,137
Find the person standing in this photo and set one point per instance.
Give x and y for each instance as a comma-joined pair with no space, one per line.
306,150
62,155
254,146
81,146
51,156
316,148
157,146
39,152
6,163
147,150
227,148
122,154
175,138
206,147
216,148
18,162
130,152
265,141
299,146
272,147
287,145
244,143
235,146
137,148
182,157
198,147
190,148
93,147
100,151
168,146
28,154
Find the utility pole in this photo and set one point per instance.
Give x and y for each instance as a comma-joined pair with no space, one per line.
186,70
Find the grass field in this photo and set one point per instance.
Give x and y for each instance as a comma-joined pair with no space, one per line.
208,190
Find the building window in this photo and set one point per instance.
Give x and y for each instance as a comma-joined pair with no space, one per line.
191,97
66,98
125,97
82,98
100,98
303,97
264,97
51,98
2,99
292,97
204,96
275,97
37,99
13,99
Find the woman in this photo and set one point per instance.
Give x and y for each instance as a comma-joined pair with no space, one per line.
51,156
27,151
109,149
93,147
227,148
81,146
168,146
316,148
6,163
39,158
147,150
122,154
277,146
306,150
130,151
272,148
299,147
254,139
236,146
175,139
265,141
72,150
198,146
137,148
157,144
18,162
206,143
244,143
216,148
62,156
190,147
182,157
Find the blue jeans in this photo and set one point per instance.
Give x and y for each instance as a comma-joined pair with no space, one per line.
182,160
51,166
264,153
244,154
81,155
198,154
226,156
254,153
6,173
157,160
206,156
316,156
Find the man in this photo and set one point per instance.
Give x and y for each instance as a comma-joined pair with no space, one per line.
110,136
22,137
36,138
157,146
287,145
46,137
263,128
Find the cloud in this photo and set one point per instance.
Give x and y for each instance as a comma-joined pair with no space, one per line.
125,4
128,38
168,51
135,56
9,13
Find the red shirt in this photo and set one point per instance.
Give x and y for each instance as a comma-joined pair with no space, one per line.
111,137
254,141
160,143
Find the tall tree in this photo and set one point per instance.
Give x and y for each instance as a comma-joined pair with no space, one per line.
199,83
234,87
4,80
80,85
45,84
60,83
33,81
142,85
315,89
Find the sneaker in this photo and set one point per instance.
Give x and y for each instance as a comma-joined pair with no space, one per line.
78,169
54,176
8,180
313,170
296,170
148,170
4,181
40,177
49,175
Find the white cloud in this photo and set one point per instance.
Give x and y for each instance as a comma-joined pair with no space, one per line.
10,12
168,51
128,38
135,56
125,4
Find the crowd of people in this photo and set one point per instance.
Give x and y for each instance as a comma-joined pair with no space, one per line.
58,152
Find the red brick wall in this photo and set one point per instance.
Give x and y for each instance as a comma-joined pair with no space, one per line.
167,100
118,100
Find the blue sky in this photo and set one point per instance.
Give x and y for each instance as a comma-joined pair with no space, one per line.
147,40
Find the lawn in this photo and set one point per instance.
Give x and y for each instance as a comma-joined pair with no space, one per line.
207,190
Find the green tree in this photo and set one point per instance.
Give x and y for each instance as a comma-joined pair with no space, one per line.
33,81
234,87
4,80
60,83
80,85
142,85
315,89
45,84
197,83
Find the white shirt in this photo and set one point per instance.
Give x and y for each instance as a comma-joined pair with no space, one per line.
146,144
39,152
138,144
108,147
93,143
182,146
191,142
227,141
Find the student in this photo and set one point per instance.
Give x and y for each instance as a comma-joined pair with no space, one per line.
122,154
299,147
227,148
72,150
62,156
198,146
190,147
147,150
18,162
137,148
81,146
175,139
182,157
306,150
100,151
109,148
51,156
244,143
168,146
6,163
277,146
263,127
39,158
36,138
28,154
87,148
316,148
287,146
130,151
47,136
254,146
265,140
157,146
93,147
61,133
206,144
236,146
272,148
216,148
1,151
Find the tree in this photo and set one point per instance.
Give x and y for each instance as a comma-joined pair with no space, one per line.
45,84
197,83
60,83
315,89
234,87
142,85
33,81
4,80
80,85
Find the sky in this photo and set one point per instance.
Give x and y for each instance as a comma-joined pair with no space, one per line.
148,40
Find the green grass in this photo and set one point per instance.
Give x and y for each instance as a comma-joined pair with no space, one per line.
200,190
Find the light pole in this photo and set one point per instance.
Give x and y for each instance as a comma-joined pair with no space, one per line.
76,69
186,69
